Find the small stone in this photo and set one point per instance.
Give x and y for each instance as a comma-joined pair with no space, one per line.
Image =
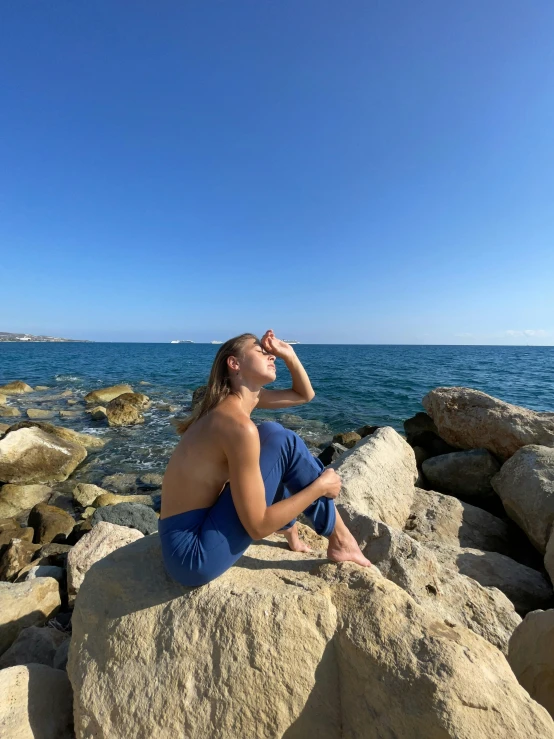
16,388
37,413
98,413
85,494
8,411
51,524
347,439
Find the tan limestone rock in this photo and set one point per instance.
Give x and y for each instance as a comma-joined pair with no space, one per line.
368,661
531,656
26,604
8,411
15,388
36,703
51,524
85,440
471,419
113,499
105,394
85,494
121,412
36,644
14,499
38,413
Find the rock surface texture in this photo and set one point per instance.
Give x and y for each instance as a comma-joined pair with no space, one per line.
531,656
105,394
470,419
526,486
462,473
26,604
283,644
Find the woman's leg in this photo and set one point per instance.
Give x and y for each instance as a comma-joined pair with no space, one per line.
285,461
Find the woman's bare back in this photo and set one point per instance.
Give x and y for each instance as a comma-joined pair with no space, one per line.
197,470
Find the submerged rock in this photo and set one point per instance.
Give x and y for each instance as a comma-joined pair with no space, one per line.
369,661
105,394
471,419
8,411
15,388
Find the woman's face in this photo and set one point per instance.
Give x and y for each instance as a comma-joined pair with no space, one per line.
256,364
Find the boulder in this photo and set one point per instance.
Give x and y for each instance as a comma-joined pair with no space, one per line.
34,644
15,388
367,430
138,399
441,590
471,419
15,531
86,494
347,439
51,524
38,413
36,703
331,453
120,482
421,432
531,656
44,571
62,500
42,387
525,484
378,477
15,499
132,515
439,518
98,543
30,455
123,413
150,480
70,414
467,474
26,604
369,661
18,553
8,411
105,394
549,557
87,440
527,588
98,413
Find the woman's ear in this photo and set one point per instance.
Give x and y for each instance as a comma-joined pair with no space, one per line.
233,363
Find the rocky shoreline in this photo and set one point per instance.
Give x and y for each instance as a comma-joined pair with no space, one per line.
456,516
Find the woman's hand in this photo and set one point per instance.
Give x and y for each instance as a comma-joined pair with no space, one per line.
330,483
275,346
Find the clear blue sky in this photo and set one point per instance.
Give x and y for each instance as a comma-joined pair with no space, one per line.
343,172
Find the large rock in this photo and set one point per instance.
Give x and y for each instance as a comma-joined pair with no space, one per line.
105,394
122,412
139,399
471,419
133,515
525,484
441,590
114,499
462,473
86,494
34,644
120,482
87,440
422,433
378,477
31,455
102,540
10,529
51,524
528,589
15,388
36,703
17,554
446,520
15,499
26,604
369,662
531,656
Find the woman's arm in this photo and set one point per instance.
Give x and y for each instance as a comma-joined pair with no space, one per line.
301,390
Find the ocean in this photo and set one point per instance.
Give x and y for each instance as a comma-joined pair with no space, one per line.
354,385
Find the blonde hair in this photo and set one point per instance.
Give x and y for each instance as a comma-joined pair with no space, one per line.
219,381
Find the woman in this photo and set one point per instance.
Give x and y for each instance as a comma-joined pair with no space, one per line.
224,485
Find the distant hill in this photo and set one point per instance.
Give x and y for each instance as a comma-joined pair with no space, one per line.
6,336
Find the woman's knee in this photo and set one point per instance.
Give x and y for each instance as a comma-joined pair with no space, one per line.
271,428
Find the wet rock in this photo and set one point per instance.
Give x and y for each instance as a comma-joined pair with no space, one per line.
102,540
42,387
15,388
132,515
37,413
121,412
14,499
98,413
8,411
71,414
347,439
36,702
150,480
467,474
471,419
3,428
26,604
120,482
105,394
526,486
367,430
34,644
30,455
138,399
531,656
51,524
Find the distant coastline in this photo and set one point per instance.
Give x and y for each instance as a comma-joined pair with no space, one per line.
21,338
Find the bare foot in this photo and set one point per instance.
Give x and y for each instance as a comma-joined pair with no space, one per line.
346,551
294,541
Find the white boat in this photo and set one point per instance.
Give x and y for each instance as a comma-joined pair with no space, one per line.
181,341
290,342
216,342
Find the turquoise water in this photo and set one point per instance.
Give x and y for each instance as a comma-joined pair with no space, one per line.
354,384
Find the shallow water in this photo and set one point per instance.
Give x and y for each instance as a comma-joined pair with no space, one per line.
354,384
